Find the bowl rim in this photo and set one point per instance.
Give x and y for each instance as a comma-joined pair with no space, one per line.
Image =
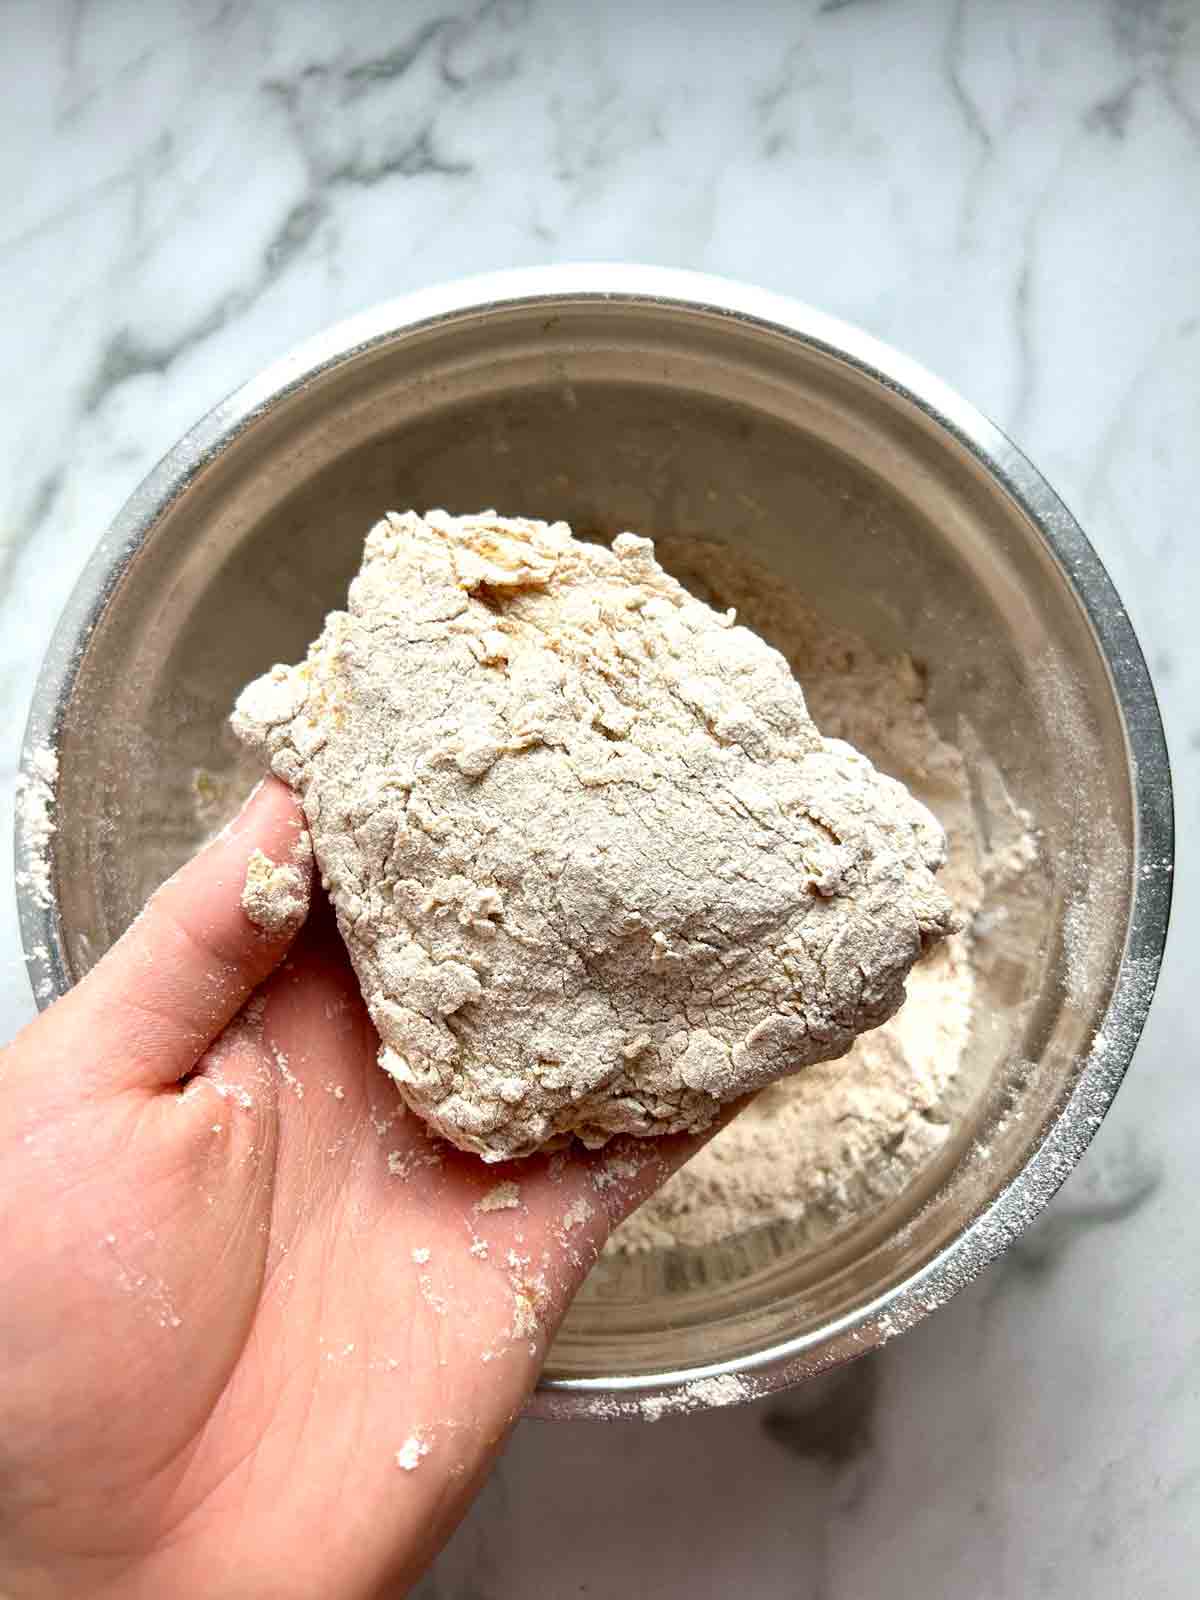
1014,1206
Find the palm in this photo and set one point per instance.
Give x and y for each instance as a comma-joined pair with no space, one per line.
350,1340
237,1327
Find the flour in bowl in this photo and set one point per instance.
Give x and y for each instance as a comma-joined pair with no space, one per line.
840,1139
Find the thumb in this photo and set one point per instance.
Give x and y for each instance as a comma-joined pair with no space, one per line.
194,955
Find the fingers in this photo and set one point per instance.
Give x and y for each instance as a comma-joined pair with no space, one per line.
306,1044
144,1015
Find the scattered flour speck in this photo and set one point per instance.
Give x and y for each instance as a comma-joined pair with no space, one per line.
411,1452
726,1390
504,1197
403,1163
35,825
577,1213
286,1073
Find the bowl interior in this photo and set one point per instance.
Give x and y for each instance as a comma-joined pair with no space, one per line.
667,420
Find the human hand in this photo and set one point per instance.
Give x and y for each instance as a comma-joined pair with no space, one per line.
257,1336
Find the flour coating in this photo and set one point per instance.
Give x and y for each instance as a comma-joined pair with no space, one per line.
275,895
596,868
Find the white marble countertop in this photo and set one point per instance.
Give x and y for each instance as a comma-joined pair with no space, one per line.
1009,192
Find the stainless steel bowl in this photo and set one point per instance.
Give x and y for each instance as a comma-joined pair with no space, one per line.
669,403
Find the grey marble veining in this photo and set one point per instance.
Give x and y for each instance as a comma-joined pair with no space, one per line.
1008,191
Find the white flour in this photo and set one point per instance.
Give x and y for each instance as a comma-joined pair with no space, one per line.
275,895
596,868
411,1453
35,822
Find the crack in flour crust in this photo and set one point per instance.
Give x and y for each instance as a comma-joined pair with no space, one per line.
597,869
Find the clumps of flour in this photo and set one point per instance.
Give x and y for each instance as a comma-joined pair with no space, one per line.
701,1394
840,1140
275,895
503,1197
411,1453
404,1164
596,868
35,822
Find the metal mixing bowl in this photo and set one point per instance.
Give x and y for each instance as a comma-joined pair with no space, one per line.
668,403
